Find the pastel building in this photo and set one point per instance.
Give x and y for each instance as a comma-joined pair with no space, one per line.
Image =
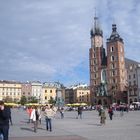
10,90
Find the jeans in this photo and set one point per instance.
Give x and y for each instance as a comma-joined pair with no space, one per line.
35,125
5,131
48,124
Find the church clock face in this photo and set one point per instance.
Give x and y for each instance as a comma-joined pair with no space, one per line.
98,41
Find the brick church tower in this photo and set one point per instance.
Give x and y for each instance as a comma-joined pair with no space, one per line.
116,72
97,58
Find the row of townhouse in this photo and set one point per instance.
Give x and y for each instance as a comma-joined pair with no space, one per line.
78,94
13,90
43,92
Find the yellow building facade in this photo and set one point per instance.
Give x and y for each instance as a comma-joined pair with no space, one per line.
82,95
10,90
47,93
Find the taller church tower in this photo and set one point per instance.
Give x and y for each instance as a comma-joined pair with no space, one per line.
116,67
97,58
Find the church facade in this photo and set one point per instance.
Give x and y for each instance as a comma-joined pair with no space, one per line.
107,67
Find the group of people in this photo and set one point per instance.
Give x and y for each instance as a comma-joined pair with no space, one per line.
36,113
102,114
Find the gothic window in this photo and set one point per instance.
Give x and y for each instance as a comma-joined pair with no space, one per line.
114,81
94,68
112,66
112,48
113,72
112,58
94,62
95,76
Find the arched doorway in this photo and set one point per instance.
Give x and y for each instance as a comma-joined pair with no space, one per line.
104,102
99,102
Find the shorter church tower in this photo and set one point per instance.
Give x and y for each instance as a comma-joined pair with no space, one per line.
116,67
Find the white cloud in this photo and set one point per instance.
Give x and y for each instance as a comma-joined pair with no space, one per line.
55,35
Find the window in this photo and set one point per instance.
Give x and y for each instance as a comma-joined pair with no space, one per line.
134,82
45,91
113,72
112,58
50,91
114,81
112,66
112,49
134,76
129,76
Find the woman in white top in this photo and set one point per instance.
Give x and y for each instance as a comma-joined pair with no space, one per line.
35,118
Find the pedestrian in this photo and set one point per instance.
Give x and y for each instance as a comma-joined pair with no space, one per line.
103,116
35,118
49,114
110,112
79,110
62,112
121,110
4,120
29,111
40,114
10,119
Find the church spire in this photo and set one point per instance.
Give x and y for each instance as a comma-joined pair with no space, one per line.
96,30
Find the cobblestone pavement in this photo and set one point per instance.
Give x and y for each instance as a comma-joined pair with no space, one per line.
126,127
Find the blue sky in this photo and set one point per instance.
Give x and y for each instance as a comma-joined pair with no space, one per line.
49,40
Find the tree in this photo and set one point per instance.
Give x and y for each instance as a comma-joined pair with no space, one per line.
8,99
23,100
51,101
33,100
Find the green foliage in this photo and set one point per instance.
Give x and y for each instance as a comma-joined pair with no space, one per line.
23,100
52,101
8,99
33,100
